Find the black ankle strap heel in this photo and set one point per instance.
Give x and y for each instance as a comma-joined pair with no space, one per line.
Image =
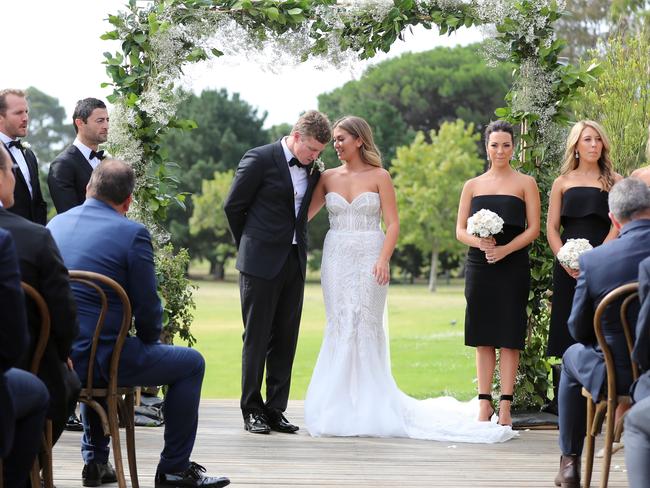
507,398
488,397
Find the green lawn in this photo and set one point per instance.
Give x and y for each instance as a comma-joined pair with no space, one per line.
426,340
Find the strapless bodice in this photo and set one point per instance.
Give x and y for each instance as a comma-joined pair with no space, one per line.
581,201
510,208
363,214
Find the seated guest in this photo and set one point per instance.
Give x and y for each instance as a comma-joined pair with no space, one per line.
70,171
602,269
23,397
97,237
637,420
42,267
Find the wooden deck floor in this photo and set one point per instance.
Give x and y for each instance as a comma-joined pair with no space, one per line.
281,460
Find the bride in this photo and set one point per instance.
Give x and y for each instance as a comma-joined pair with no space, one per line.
352,391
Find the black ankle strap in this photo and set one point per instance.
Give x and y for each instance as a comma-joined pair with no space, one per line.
508,398
485,396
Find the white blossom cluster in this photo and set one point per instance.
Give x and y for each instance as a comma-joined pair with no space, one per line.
495,11
159,102
571,250
122,142
484,223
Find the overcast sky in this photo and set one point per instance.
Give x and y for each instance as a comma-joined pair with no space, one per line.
56,48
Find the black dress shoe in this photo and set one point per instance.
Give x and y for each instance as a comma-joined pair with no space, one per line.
74,424
279,423
256,423
95,474
191,477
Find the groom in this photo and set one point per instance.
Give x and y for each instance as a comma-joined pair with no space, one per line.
267,213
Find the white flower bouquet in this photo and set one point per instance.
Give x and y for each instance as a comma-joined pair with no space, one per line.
484,223
571,250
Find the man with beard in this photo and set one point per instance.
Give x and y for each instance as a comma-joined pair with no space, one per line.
71,170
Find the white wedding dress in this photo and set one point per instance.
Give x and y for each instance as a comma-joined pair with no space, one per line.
352,391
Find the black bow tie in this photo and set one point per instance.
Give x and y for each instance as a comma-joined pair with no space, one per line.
16,144
99,155
296,163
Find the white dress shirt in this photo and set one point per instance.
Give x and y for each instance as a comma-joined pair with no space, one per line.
299,180
85,150
19,157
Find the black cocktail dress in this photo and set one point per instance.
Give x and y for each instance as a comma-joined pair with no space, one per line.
497,293
584,214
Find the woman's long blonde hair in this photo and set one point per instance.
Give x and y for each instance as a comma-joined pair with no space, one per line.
604,162
359,128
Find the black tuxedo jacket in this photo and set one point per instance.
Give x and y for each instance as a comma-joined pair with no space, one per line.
41,266
69,174
13,332
261,212
602,269
31,207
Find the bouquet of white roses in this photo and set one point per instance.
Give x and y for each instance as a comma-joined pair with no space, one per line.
569,253
484,223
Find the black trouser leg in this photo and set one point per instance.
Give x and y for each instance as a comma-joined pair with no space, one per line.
284,337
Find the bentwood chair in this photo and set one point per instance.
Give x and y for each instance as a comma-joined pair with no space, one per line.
603,409
119,400
41,344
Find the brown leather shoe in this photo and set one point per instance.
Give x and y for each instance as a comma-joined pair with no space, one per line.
569,474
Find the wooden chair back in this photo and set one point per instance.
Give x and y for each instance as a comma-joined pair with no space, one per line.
101,285
39,350
603,409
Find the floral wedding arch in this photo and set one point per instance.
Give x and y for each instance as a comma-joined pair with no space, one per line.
160,37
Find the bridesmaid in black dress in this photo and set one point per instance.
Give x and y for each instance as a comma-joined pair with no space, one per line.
497,278
577,206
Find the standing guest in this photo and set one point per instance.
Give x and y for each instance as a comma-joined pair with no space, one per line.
23,397
602,269
41,266
577,205
644,173
28,199
96,236
497,273
267,213
637,420
70,171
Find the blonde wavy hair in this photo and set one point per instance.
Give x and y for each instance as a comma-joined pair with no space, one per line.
604,162
360,129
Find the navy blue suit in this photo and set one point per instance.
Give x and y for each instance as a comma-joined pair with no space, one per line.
601,270
23,397
637,420
95,237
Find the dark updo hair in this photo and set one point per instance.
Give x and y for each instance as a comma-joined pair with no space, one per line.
499,126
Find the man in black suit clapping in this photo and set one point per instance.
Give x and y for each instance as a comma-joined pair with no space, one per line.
71,170
14,118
